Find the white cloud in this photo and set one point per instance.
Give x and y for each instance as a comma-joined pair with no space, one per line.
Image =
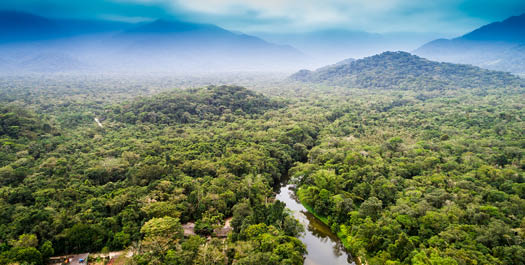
304,15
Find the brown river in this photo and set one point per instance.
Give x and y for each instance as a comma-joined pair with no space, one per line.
323,246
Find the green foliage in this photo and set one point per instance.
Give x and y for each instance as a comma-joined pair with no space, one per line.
17,122
402,176
47,249
211,103
371,207
25,241
413,194
83,237
29,255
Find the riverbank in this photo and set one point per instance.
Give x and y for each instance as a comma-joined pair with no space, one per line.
322,245
339,234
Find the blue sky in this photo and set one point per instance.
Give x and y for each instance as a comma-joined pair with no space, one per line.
447,17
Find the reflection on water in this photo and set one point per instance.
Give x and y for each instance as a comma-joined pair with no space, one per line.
324,247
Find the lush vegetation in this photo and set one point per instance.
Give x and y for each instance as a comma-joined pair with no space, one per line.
92,188
401,70
403,175
436,181
212,103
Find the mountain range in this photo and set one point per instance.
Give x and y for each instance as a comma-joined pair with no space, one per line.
402,70
497,46
30,43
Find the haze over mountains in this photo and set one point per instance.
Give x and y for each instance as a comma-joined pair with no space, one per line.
32,43
328,46
19,26
497,46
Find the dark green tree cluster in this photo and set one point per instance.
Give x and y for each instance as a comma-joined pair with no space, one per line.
194,105
24,250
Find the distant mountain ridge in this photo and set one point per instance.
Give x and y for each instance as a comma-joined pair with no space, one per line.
496,46
511,29
166,26
19,26
15,26
402,70
161,45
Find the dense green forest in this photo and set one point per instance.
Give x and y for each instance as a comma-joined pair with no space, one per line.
437,181
94,188
403,175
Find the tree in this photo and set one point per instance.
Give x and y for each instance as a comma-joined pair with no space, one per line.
161,234
402,247
210,254
120,240
371,207
26,241
422,258
47,249
84,237
29,255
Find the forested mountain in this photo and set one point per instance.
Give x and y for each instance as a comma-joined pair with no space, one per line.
155,132
30,43
497,46
401,70
212,103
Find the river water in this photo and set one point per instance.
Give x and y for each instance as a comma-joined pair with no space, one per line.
324,247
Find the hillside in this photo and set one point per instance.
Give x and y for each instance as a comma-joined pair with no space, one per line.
401,70
496,46
209,103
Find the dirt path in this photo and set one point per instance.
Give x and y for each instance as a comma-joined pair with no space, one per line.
98,122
